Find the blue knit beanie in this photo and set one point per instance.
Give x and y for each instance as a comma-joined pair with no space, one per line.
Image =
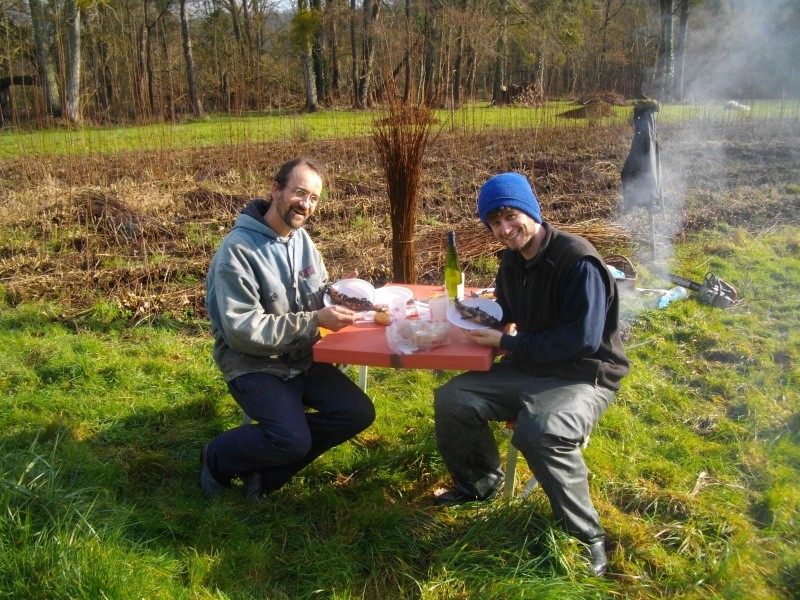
508,189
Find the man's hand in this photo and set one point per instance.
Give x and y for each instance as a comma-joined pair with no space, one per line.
335,317
492,337
486,337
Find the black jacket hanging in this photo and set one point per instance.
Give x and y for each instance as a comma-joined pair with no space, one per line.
641,173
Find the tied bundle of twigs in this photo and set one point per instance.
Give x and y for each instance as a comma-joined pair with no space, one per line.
401,138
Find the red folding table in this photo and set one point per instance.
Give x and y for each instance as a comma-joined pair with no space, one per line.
364,344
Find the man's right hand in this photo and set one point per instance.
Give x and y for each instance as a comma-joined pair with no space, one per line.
336,317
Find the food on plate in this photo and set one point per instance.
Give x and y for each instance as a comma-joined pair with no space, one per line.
475,314
382,317
487,293
353,303
429,338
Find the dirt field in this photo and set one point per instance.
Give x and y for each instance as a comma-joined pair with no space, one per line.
139,230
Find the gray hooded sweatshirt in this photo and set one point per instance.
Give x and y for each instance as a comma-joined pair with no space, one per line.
262,291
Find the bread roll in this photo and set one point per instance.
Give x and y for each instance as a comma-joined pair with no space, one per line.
429,337
405,329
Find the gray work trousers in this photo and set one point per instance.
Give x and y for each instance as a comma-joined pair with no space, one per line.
554,417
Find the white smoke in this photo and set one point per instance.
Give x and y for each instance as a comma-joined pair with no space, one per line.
737,51
743,50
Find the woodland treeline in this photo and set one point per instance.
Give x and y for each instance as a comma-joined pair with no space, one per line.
146,60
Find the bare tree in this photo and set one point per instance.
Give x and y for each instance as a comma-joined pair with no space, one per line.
332,10
461,50
499,78
353,54
73,73
191,77
318,52
680,49
44,61
407,56
305,26
431,38
371,9
666,57
610,12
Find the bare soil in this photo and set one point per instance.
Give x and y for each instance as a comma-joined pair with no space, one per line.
139,229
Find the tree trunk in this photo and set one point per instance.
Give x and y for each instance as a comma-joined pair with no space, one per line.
680,48
498,83
308,80
44,64
104,89
407,67
318,54
307,60
191,77
601,56
168,85
148,55
237,32
141,69
371,10
430,38
225,89
73,75
333,46
353,55
458,74
666,55
6,86
248,41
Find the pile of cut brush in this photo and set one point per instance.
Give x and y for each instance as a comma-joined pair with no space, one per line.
138,230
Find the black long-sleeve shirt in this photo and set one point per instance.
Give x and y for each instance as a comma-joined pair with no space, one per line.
579,329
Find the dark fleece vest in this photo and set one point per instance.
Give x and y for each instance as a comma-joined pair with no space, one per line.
533,291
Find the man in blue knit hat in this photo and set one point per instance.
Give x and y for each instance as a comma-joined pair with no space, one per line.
561,369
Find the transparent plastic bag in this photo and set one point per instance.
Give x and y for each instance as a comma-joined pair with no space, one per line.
405,337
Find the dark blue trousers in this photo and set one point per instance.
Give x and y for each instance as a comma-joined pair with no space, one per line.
295,421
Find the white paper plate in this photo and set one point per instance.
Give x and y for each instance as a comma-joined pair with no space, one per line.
486,305
385,294
355,288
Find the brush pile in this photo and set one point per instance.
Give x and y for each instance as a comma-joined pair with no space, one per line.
134,233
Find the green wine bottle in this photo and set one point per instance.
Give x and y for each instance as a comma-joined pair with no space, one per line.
452,272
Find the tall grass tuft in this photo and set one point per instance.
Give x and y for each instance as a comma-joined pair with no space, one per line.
401,138
70,549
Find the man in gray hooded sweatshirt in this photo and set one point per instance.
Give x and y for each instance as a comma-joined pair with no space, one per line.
264,301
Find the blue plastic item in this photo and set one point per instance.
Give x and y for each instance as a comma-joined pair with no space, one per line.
676,293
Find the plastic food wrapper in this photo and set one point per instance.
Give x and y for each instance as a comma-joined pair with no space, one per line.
405,337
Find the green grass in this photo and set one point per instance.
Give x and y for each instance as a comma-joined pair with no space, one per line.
694,468
325,124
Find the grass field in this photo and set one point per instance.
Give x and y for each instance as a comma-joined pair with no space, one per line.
109,389
280,126
694,468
